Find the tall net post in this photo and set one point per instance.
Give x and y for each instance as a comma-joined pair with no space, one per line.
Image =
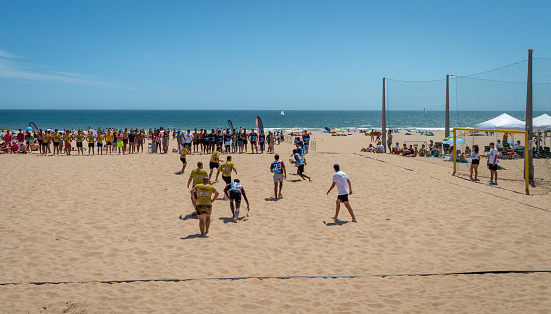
447,123
529,117
383,127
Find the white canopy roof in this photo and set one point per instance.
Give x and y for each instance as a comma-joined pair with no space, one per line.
502,122
542,123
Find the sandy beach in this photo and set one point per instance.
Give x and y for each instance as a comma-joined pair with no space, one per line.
107,230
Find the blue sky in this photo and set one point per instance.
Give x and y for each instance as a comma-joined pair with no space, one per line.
250,54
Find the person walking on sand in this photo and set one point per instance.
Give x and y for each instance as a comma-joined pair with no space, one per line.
280,173
492,163
183,153
233,192
226,168
475,161
197,176
344,188
201,194
214,163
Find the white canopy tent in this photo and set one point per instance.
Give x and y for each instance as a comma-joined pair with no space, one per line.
502,122
542,123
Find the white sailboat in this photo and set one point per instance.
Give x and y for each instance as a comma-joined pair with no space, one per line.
282,113
425,110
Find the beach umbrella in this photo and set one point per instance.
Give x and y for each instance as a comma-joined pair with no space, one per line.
458,141
327,129
336,130
291,129
29,128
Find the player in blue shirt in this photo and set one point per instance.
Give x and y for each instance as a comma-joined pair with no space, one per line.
300,164
233,192
280,173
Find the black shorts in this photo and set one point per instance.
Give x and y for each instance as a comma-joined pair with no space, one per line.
245,142
90,144
492,167
261,144
108,143
100,144
343,198
301,168
476,161
235,195
195,142
43,144
227,179
183,160
56,143
253,143
188,145
79,144
213,165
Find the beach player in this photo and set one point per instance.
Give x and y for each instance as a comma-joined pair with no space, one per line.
56,139
344,188
90,138
67,138
492,163
300,164
100,139
197,176
389,141
188,139
196,140
80,138
475,161
280,173
306,140
261,140
45,140
214,163
226,169
253,136
108,140
233,192
183,153
201,194
245,139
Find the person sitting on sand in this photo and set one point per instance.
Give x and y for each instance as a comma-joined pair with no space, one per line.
405,150
396,149
379,149
423,151
368,149
414,153
467,151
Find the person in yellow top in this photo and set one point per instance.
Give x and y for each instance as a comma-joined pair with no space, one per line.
45,140
183,153
80,138
56,138
197,176
99,139
214,163
67,138
108,140
91,138
201,194
226,169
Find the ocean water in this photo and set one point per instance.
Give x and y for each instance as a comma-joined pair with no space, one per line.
272,120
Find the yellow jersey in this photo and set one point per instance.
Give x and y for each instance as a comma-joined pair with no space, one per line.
109,137
46,138
100,139
91,138
198,175
226,168
56,137
214,156
183,152
204,193
80,137
67,138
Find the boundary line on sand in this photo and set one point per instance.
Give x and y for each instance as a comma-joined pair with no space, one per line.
489,272
452,183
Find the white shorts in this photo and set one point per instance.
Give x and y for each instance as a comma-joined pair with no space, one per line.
278,178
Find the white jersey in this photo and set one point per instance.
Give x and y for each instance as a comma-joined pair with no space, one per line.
341,181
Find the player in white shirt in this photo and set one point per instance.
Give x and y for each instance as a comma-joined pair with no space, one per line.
344,188
492,163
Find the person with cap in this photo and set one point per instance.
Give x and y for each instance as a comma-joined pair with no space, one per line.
344,188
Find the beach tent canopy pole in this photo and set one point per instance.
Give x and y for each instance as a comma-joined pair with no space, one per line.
383,127
447,130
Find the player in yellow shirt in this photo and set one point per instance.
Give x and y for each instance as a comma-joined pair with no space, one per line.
108,140
201,194
56,138
214,163
91,138
46,141
197,175
67,138
226,169
183,153
80,138
99,139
